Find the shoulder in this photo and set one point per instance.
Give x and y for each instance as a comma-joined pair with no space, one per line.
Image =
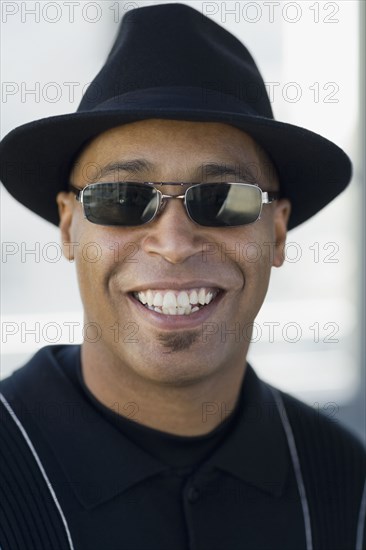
321,427
43,364
332,459
34,390
30,508
333,466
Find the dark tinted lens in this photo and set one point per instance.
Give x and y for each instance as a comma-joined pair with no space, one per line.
224,204
120,203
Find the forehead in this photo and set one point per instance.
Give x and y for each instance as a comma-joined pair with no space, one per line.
166,146
167,136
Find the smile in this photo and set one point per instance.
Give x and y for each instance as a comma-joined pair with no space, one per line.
173,302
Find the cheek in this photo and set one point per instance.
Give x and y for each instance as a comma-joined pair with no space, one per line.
256,258
257,275
100,252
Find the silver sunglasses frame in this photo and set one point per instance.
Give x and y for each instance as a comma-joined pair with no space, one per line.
267,198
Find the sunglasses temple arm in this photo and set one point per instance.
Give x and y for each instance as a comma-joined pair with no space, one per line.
268,197
78,192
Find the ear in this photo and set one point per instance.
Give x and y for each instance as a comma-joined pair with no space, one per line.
66,205
281,217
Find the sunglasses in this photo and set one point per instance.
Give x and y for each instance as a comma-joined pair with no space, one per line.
128,204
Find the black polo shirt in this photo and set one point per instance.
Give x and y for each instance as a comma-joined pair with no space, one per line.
123,486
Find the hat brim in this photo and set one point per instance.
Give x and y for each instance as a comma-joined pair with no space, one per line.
36,158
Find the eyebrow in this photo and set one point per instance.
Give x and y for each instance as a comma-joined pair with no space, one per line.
134,166
213,169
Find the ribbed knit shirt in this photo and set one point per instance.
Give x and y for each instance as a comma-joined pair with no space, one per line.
275,474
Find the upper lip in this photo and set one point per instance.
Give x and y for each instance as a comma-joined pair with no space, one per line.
175,285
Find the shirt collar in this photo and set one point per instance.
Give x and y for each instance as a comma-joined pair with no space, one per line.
254,451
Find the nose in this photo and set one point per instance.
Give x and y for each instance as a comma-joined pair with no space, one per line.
172,234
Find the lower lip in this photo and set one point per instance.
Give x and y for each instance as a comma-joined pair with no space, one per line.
178,321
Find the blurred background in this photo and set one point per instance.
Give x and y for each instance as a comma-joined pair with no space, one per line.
309,336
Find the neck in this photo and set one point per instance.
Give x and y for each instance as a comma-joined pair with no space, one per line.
187,409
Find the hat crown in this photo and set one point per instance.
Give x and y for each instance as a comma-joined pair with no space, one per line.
174,45
171,62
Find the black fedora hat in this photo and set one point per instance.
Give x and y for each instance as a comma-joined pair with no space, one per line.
171,62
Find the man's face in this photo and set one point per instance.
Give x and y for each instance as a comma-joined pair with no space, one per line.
172,252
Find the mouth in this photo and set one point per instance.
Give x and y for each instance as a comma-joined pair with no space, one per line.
184,302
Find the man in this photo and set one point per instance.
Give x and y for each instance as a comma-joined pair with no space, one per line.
161,169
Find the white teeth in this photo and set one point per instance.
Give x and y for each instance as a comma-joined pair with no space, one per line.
183,299
202,296
149,297
158,300
208,298
171,302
